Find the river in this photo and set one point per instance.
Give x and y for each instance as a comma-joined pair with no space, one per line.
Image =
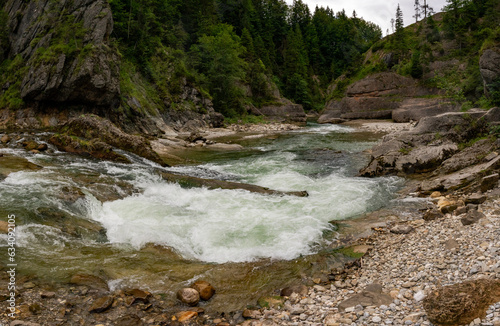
159,236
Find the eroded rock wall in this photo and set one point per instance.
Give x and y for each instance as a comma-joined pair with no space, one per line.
384,96
65,51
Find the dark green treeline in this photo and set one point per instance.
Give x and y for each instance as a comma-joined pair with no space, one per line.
236,49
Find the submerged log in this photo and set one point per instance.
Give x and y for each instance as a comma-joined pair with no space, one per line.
189,181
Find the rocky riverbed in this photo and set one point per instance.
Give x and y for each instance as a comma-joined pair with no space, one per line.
405,262
404,274
400,270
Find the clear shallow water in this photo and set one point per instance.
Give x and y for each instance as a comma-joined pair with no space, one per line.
195,227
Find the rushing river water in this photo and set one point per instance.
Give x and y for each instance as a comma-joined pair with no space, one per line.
160,236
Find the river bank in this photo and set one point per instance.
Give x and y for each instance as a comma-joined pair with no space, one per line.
405,275
93,218
400,270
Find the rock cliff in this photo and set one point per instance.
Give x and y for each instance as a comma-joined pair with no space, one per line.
489,65
384,96
59,61
65,52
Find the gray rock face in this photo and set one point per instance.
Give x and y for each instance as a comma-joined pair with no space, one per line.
472,217
65,66
384,96
418,108
445,122
489,182
288,112
489,65
432,147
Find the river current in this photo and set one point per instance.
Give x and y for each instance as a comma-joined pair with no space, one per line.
160,236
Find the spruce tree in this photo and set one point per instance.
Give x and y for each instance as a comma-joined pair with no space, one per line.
400,32
417,10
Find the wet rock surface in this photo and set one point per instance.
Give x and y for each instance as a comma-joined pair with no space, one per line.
188,296
408,267
189,181
449,151
95,128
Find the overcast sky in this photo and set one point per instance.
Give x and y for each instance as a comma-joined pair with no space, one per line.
379,12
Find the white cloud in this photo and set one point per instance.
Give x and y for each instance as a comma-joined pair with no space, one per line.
379,12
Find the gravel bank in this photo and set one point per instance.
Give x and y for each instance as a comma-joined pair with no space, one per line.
408,267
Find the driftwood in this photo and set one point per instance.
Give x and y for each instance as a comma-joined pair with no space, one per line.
189,181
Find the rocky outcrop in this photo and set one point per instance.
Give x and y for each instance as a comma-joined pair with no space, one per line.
101,136
95,148
445,147
189,181
461,303
489,65
283,111
64,65
65,51
384,96
414,109
288,112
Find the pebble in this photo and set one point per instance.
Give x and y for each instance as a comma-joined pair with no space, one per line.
408,266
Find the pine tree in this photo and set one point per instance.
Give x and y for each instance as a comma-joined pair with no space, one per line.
416,69
399,20
417,10
247,42
400,31
426,9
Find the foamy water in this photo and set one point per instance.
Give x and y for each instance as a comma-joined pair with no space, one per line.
210,225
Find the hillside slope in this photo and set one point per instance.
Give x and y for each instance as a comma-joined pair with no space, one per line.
430,67
59,60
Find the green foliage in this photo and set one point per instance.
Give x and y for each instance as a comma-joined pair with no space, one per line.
137,93
494,90
451,86
11,74
276,42
245,119
66,39
416,69
219,58
4,34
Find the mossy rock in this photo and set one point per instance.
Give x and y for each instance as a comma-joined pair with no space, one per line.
271,302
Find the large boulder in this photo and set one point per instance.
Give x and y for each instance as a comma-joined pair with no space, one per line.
461,303
380,96
489,65
65,66
414,109
92,127
284,112
331,113
447,122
